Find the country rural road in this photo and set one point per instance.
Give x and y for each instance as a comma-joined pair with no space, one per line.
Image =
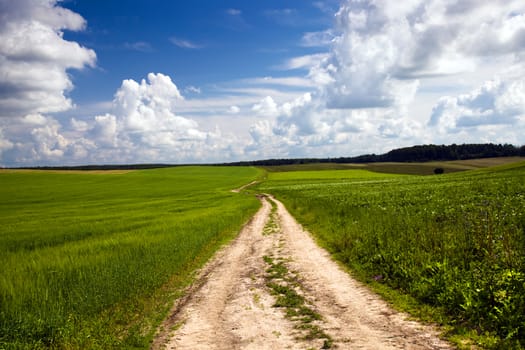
232,304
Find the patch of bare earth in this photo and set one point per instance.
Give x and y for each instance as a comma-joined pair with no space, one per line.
237,190
232,307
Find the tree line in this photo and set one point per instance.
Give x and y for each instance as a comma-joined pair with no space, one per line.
421,153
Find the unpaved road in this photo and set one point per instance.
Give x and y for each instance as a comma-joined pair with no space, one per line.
231,306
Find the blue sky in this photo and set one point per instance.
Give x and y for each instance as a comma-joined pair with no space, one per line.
197,43
93,81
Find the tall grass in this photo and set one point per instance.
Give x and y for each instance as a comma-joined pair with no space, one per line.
454,241
94,260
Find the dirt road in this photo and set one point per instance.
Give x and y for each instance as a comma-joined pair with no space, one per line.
273,262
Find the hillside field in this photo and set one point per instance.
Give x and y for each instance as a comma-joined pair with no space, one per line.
95,259
410,168
455,242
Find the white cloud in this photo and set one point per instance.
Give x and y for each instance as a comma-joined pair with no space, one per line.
317,39
304,62
34,57
496,102
185,44
148,105
49,143
234,110
281,82
79,125
105,131
192,89
357,95
382,50
5,144
364,59
144,116
266,107
380,53
43,11
234,12
144,127
140,46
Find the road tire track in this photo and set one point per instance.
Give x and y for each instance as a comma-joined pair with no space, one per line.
231,306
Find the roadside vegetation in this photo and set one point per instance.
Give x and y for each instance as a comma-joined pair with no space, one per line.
95,259
452,242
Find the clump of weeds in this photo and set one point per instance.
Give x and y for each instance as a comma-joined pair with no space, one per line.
286,288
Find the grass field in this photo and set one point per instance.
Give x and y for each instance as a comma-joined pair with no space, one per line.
414,168
95,259
455,242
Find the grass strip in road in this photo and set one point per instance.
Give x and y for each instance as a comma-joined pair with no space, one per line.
286,287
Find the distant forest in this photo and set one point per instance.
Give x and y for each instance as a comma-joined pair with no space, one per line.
423,153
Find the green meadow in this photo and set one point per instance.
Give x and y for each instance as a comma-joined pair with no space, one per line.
95,259
453,244
408,168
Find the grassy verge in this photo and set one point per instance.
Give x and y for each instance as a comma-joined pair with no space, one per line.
95,260
452,243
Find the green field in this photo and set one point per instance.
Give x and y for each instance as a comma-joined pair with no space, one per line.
455,242
411,168
95,259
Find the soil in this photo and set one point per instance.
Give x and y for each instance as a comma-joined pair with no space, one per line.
231,306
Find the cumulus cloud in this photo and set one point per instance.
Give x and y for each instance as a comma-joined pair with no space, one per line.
234,110
142,126
35,58
104,131
495,102
266,107
381,51
305,128
356,95
34,81
5,144
145,113
34,139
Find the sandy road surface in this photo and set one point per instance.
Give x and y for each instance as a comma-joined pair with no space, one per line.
232,307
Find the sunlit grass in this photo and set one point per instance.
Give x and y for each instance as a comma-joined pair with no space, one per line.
94,260
331,175
409,168
454,241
